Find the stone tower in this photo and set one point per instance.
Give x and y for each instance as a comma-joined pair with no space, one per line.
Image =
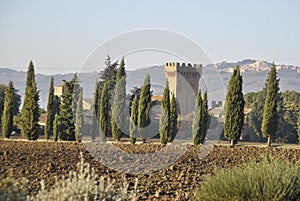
183,82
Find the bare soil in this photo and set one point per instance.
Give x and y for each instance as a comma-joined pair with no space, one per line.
38,161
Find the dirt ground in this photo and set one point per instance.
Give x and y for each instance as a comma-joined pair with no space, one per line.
45,160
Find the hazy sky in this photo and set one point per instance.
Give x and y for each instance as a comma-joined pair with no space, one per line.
58,35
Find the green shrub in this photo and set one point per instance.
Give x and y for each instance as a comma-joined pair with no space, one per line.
13,189
268,179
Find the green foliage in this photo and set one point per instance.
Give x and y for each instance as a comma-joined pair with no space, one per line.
79,117
16,101
269,179
134,119
205,118
55,127
299,128
164,124
50,111
75,94
144,108
173,119
198,121
255,100
13,189
66,124
30,109
270,115
234,108
119,113
108,75
7,116
104,113
95,113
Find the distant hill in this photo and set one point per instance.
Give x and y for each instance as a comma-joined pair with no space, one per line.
254,74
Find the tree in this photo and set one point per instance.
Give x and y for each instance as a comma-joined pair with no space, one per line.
164,125
66,124
79,117
50,111
234,108
108,75
75,94
30,109
104,113
144,108
118,119
173,119
205,117
95,113
7,116
55,128
270,115
16,101
299,128
134,119
197,122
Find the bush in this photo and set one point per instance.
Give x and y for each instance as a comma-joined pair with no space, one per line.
13,189
83,185
268,179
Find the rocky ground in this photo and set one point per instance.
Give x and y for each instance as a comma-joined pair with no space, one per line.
38,161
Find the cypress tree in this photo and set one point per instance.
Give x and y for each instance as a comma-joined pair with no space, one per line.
50,111
234,108
173,119
7,116
205,117
299,128
134,119
75,94
79,117
95,113
104,113
164,126
119,105
144,108
270,115
2,97
30,109
198,122
55,127
66,124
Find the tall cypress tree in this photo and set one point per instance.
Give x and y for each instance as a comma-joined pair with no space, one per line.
205,117
299,128
79,117
30,109
118,118
234,114
173,119
270,115
50,111
164,125
55,127
66,124
95,112
198,121
144,108
104,113
7,116
134,119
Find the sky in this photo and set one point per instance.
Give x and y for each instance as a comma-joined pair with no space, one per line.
60,35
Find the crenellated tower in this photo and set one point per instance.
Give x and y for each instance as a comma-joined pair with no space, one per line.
183,79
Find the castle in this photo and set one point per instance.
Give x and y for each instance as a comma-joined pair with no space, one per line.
183,79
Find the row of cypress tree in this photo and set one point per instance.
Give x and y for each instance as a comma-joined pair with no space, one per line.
234,115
